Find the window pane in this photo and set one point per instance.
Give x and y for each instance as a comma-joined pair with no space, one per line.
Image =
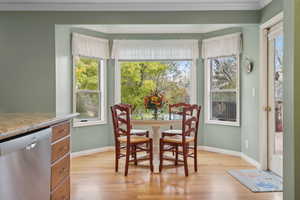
87,73
87,104
278,84
140,79
223,73
278,95
223,106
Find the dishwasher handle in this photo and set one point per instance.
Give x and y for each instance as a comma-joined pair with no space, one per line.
32,145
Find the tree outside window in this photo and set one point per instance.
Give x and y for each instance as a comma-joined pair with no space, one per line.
140,79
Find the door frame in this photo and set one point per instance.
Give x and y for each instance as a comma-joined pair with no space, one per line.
263,91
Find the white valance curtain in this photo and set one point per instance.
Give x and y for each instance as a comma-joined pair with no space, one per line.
89,46
226,45
155,49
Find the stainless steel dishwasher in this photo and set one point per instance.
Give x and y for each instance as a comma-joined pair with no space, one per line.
25,167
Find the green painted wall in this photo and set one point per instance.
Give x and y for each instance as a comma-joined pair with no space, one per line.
27,78
272,9
292,99
297,99
250,103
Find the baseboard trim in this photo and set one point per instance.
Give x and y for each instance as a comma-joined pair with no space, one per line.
251,161
92,151
203,148
231,153
219,150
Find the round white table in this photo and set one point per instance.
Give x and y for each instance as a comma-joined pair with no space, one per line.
155,124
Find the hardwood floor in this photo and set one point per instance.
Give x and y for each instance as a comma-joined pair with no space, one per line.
93,178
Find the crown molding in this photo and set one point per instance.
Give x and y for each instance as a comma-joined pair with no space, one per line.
133,6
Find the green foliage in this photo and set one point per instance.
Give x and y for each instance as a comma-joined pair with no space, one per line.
87,73
87,78
140,79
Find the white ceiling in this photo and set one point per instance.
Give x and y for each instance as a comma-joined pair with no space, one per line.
152,29
132,5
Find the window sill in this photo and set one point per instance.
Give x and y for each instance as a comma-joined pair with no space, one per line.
88,123
223,123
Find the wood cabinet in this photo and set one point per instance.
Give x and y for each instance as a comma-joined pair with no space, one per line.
60,168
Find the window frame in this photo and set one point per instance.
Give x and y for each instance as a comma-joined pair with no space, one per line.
207,95
102,118
118,94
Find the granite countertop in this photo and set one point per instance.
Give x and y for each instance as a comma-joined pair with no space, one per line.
13,124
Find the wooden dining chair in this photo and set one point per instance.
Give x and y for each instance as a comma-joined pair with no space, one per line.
175,109
190,124
125,141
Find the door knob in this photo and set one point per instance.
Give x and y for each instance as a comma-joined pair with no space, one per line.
268,109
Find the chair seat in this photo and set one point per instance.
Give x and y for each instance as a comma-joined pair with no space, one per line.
134,139
138,131
173,131
178,139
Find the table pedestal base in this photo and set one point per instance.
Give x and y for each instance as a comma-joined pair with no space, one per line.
155,138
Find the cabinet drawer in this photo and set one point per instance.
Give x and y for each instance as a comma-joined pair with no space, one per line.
63,191
59,171
60,149
60,131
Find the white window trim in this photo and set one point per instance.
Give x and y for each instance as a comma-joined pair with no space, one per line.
207,111
118,78
102,94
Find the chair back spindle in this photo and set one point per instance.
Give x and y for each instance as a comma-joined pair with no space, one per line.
190,122
177,109
121,120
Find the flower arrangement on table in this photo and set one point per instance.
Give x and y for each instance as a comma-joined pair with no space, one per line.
154,102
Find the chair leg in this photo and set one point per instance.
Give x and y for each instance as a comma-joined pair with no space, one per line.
147,135
176,155
151,155
134,154
161,153
186,170
117,154
195,158
127,159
